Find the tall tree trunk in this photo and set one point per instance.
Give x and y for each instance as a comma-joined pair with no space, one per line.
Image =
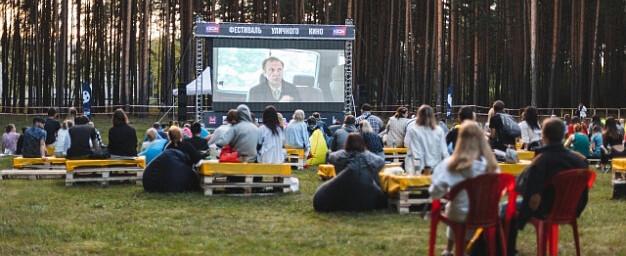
125,88
533,52
438,54
145,55
61,58
592,82
555,47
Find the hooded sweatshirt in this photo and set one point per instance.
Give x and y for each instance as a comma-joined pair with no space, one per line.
242,136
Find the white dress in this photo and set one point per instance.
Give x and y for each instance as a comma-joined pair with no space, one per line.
271,146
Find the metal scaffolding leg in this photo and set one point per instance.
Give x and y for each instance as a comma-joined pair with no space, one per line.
347,72
199,69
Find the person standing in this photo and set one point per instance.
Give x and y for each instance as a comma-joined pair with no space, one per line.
374,121
425,141
582,111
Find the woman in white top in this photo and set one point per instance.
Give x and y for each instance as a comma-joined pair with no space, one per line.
63,139
531,130
425,141
271,138
472,156
396,128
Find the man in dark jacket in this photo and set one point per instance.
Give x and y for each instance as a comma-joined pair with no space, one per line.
552,159
341,135
272,87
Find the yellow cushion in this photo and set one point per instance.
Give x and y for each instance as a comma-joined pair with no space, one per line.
210,168
20,162
390,151
295,151
525,155
326,171
70,165
392,184
514,169
618,164
50,150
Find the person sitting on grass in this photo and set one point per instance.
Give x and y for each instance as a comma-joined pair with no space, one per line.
271,138
357,184
63,139
472,156
83,140
176,142
153,147
151,136
122,137
579,142
338,141
196,140
9,140
355,146
34,144
159,129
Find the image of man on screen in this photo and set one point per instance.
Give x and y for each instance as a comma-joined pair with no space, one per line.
272,87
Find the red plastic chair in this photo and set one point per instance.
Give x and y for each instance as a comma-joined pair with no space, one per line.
568,187
484,193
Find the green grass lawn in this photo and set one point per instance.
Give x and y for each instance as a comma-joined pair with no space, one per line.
44,217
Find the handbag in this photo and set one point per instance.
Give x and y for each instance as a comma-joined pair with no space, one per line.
229,155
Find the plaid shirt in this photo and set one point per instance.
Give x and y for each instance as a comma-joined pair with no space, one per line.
374,121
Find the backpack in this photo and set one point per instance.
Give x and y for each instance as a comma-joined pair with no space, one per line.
510,128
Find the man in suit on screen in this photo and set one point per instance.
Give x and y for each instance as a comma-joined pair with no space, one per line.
272,87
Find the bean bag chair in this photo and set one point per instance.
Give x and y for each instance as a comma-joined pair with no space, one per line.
170,173
356,188
318,148
153,150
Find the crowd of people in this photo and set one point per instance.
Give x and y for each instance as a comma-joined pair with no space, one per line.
355,148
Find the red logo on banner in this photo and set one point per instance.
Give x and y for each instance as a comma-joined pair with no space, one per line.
212,120
339,31
213,28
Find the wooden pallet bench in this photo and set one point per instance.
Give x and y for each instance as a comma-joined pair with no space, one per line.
39,163
411,200
32,174
396,155
244,179
105,171
295,157
406,193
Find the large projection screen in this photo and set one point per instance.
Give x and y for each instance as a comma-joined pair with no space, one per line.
288,73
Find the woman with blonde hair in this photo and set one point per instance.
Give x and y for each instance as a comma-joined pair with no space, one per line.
472,156
425,141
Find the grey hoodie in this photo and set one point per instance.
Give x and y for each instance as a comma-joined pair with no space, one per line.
243,136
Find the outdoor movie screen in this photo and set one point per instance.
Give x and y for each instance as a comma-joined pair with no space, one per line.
278,75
